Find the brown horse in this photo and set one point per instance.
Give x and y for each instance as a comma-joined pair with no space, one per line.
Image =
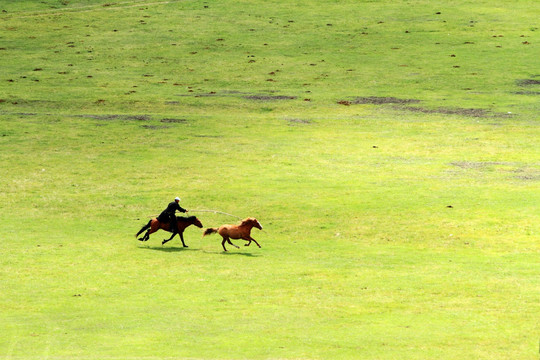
241,231
154,225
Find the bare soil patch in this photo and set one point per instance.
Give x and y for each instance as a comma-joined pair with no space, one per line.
137,117
403,104
208,94
471,112
248,96
269,97
518,170
526,92
527,82
477,164
298,121
117,117
173,120
209,136
376,100
528,177
154,127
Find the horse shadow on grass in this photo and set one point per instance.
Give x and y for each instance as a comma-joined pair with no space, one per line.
168,249
228,253
173,249
247,254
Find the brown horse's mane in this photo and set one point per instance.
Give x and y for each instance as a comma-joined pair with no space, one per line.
189,218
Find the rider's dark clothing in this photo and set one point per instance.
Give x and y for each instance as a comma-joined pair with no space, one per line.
168,215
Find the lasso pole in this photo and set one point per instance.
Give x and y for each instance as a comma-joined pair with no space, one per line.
212,211
217,212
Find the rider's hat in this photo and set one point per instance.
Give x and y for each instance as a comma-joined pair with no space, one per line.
177,199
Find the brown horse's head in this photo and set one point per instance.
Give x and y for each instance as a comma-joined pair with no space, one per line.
195,221
253,222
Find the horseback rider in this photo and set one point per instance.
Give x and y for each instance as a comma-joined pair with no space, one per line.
168,215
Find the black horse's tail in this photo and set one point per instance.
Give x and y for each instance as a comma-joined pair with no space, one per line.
210,231
145,227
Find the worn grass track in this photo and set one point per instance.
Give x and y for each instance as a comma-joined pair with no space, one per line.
388,148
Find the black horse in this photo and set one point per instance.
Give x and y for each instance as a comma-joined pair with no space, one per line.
154,225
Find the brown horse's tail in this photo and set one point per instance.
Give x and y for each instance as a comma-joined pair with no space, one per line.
145,227
210,231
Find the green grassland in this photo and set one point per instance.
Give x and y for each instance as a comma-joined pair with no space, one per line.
389,149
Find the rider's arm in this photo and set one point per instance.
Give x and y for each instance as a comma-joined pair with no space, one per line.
179,208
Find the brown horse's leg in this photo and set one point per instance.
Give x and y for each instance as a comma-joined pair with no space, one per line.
229,241
252,239
223,243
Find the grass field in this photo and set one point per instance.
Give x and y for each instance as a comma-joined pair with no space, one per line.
389,149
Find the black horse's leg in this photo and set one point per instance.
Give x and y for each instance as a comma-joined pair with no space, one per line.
143,238
146,236
182,238
169,239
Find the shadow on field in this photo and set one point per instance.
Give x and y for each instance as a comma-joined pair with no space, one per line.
167,249
231,253
239,254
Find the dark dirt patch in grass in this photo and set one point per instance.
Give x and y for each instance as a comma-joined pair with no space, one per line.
205,94
376,100
247,96
110,117
269,97
519,171
528,177
402,104
526,92
155,127
527,82
477,164
470,112
299,121
26,114
210,94
167,120
100,117
209,136
137,117
116,117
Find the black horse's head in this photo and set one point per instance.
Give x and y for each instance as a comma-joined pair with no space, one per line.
193,220
190,220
